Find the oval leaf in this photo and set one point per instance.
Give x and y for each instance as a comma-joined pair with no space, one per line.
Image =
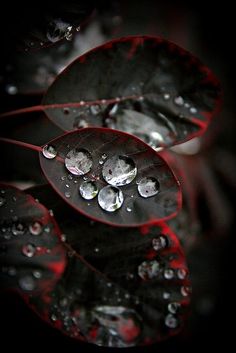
111,177
142,85
127,289
32,258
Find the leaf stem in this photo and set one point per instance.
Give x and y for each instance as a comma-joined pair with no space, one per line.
21,143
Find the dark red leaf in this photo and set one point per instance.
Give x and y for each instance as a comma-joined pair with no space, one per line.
32,258
143,85
128,288
116,168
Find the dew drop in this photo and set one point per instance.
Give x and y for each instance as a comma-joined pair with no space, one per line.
181,273
119,170
2,201
28,250
185,291
63,238
67,194
88,190
168,273
128,209
77,28
18,229
113,110
37,274
179,101
96,250
148,186
78,162
166,295
173,307
166,96
110,198
35,228
148,269
193,110
159,243
11,89
53,317
66,110
27,283
47,229
171,321
95,109
49,152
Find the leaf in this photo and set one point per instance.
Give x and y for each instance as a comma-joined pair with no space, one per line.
142,85
32,258
116,168
120,289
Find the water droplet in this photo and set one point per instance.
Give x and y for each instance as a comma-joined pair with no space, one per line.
127,296
96,250
67,194
95,109
67,185
77,28
47,229
35,228
179,101
166,96
148,269
119,170
128,209
141,99
82,103
171,321
2,201
168,273
173,307
186,291
88,190
109,284
18,229
166,295
63,238
28,250
66,110
181,273
110,198
37,274
159,243
49,152
113,110
193,110
11,89
78,162
148,186
27,283
51,213
53,317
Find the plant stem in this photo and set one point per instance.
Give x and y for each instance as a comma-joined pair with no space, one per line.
22,144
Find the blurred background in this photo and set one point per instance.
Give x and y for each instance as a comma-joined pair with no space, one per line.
34,52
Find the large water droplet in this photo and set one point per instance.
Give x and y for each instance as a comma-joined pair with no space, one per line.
28,250
18,229
2,201
159,243
27,283
35,228
148,186
149,269
173,307
110,198
171,321
49,152
88,190
78,162
119,170
169,273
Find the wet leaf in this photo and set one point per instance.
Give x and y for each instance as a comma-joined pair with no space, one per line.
32,258
120,289
143,85
111,177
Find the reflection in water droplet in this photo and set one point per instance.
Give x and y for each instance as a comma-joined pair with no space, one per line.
35,228
148,186
28,250
181,273
78,162
173,307
179,101
27,283
88,190
148,269
49,152
119,170
171,321
2,201
110,198
18,229
159,243
168,273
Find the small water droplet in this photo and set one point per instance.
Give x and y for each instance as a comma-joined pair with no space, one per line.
2,201
96,250
81,124
166,96
53,317
128,209
119,170
88,190
109,284
179,101
47,229
35,228
127,296
37,274
95,109
78,28
148,269
28,250
11,89
18,229
110,198
82,103
186,291
66,110
27,283
51,213
67,185
148,186
181,273
173,307
166,295
78,161
70,177
171,321
159,243
187,105
169,273
49,152
67,194
113,110
193,110
103,101
141,99
63,238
